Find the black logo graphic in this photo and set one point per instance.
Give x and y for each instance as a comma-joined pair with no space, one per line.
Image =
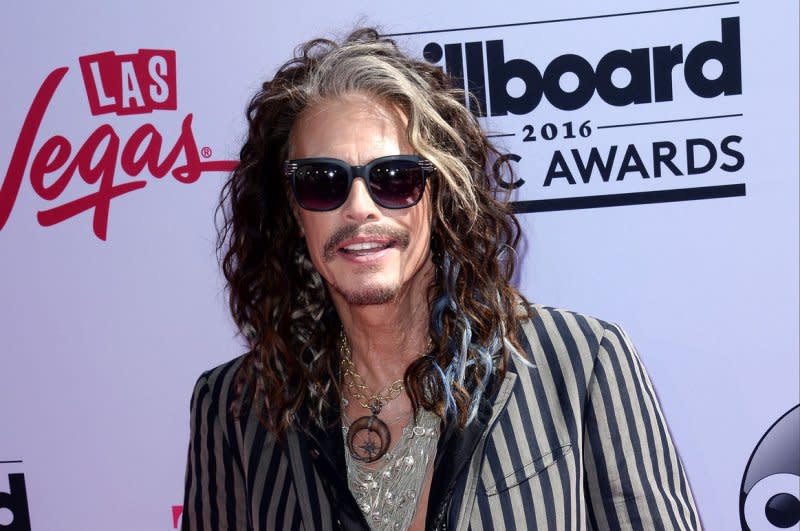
16,501
770,494
500,82
652,74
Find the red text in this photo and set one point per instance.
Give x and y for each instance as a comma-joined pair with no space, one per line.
55,163
131,83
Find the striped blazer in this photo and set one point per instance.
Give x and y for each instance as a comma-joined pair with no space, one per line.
573,439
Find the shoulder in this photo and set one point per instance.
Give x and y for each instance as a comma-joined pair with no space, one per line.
562,338
215,389
557,324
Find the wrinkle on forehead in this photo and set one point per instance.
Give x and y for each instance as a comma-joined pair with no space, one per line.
357,147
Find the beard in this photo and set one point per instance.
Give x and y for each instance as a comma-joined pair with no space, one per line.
368,295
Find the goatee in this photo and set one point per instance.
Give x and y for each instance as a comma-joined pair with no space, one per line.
368,295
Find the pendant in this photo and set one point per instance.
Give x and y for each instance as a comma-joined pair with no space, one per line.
368,437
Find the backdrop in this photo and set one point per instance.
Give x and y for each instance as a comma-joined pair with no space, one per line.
662,134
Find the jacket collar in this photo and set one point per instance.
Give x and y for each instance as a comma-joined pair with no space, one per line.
453,485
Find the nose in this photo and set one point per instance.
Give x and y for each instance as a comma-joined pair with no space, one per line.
359,206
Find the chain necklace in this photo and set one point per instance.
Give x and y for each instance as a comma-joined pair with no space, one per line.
368,437
388,494
366,428
387,491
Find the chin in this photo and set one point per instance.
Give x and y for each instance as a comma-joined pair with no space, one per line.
368,295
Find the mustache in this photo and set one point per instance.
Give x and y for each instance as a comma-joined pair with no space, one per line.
346,232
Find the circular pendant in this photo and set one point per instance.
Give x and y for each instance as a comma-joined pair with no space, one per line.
368,439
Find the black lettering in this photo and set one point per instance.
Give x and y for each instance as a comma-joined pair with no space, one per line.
432,52
530,134
726,148
632,162
558,169
728,52
16,501
454,62
594,160
476,84
664,60
637,63
659,158
503,160
549,131
569,101
501,72
691,167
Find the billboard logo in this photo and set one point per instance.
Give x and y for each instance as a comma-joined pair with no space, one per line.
580,160
769,498
651,73
15,502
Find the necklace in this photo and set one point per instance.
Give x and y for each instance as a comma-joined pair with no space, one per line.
368,437
363,432
388,495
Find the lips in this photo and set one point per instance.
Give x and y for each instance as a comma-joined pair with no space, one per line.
359,247
365,243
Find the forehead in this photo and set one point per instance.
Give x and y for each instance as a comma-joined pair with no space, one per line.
355,128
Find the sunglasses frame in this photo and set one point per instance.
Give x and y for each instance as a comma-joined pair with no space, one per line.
290,168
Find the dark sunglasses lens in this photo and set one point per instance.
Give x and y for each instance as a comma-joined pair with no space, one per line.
320,186
397,183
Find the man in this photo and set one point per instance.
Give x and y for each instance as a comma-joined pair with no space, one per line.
396,380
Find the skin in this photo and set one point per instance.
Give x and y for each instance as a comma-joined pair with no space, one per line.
381,294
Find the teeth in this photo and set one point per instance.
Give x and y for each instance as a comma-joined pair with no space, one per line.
363,246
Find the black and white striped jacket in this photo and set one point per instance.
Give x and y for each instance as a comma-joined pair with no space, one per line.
576,441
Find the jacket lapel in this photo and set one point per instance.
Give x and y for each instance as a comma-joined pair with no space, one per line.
322,451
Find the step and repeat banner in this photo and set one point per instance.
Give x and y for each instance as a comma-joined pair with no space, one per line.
656,149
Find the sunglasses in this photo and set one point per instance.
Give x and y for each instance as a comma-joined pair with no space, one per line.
322,184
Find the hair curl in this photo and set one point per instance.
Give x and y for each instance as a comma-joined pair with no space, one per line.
280,301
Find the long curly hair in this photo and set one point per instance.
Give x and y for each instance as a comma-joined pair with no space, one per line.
280,302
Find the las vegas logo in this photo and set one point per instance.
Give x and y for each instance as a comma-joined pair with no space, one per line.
130,84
